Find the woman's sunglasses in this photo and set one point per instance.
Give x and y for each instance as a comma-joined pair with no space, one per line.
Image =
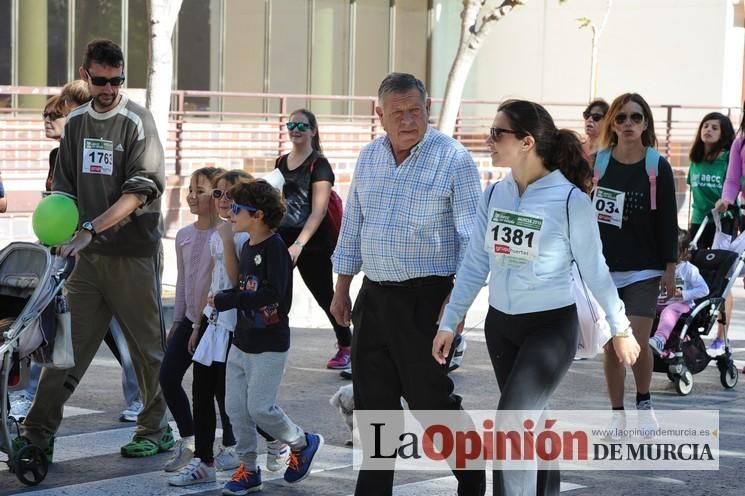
51,115
300,126
496,133
237,207
219,193
635,117
102,81
595,116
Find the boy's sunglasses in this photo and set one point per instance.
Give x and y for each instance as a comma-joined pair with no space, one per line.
102,81
496,133
237,207
219,193
595,116
51,115
635,117
301,126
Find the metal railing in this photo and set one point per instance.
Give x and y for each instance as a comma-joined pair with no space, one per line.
241,129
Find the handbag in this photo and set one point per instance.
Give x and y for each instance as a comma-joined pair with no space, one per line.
594,330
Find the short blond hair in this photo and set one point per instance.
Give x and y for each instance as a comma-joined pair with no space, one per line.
75,93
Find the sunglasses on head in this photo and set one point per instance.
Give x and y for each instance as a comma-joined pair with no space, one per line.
102,81
595,116
635,117
51,115
219,193
237,207
496,133
300,126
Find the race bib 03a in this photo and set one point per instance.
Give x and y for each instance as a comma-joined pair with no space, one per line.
608,204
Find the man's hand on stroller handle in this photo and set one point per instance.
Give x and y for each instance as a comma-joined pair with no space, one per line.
78,242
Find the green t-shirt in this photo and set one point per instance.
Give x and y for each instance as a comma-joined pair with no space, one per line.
706,180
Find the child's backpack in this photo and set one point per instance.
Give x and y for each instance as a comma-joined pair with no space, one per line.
651,162
334,211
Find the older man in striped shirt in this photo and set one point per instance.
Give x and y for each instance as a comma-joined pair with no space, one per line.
408,219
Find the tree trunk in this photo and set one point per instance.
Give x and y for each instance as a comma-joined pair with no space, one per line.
162,15
594,67
454,88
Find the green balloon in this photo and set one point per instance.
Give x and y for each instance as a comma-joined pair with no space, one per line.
55,220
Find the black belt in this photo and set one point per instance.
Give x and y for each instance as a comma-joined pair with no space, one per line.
417,282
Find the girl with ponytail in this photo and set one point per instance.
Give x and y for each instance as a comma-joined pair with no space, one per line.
530,226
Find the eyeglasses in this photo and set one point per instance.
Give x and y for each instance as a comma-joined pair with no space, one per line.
51,116
595,116
102,81
497,132
237,207
219,193
635,117
300,126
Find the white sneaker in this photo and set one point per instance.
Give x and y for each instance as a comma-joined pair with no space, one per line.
276,455
617,426
195,472
646,420
657,344
226,459
130,413
183,453
19,409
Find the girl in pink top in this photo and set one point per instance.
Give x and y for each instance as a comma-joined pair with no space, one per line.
192,285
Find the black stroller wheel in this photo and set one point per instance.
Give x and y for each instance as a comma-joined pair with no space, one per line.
671,376
729,376
684,383
31,465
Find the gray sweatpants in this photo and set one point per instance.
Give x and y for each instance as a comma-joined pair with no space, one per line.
252,386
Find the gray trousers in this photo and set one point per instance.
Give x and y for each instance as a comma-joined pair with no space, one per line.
251,391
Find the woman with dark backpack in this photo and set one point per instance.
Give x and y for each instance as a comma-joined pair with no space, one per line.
308,228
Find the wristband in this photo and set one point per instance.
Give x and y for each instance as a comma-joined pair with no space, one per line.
299,243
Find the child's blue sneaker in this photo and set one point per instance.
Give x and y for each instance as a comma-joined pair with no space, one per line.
657,344
243,482
300,462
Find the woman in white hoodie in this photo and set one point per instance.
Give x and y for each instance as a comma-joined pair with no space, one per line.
524,237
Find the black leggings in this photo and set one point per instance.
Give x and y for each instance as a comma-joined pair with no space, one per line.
530,354
176,361
208,386
316,270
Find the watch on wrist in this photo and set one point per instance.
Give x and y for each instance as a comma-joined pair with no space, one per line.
299,243
88,226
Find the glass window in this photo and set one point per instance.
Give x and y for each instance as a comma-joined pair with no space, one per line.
5,50
194,51
371,46
288,50
138,40
57,30
411,38
100,19
330,54
244,53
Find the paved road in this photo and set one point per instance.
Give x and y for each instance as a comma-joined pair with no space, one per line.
87,461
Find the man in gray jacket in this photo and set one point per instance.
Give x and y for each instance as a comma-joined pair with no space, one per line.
111,163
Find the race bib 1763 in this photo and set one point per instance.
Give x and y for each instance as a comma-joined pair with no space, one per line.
98,156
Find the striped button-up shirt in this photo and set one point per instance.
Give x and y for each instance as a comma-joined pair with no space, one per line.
409,220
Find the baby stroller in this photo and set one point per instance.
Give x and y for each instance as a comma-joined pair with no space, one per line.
685,353
33,317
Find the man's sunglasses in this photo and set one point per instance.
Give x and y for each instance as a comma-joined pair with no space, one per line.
300,126
237,207
497,132
51,116
219,193
635,117
595,116
102,81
